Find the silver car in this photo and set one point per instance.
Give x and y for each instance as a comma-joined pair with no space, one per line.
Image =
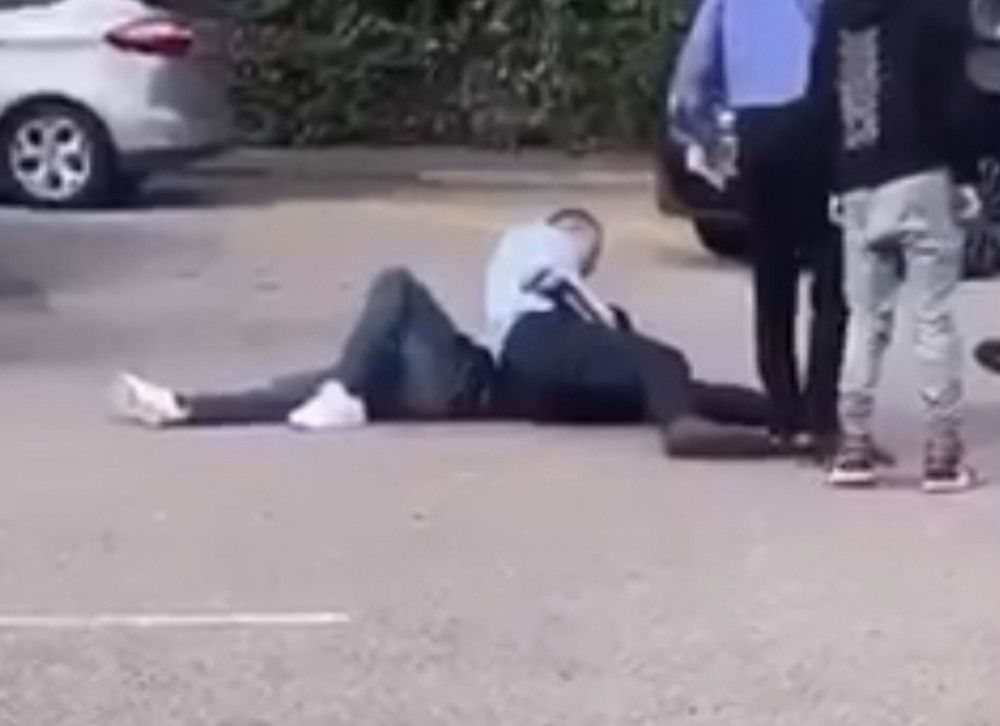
97,94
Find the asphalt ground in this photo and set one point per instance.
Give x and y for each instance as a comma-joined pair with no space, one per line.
477,574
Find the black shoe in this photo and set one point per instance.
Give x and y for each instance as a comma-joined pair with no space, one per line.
945,470
988,355
822,450
854,464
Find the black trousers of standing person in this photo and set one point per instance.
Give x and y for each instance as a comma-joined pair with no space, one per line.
559,369
784,191
404,358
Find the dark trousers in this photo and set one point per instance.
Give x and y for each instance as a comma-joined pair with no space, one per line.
404,358
557,368
784,194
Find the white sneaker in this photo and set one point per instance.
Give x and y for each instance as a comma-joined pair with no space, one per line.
330,407
140,402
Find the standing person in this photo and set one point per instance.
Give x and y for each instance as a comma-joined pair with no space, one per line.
752,58
403,360
565,356
891,91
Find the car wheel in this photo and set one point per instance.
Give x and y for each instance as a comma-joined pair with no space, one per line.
56,155
722,238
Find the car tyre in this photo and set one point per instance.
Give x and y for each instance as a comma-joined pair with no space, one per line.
723,238
56,155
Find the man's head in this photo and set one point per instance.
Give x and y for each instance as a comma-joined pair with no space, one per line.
586,230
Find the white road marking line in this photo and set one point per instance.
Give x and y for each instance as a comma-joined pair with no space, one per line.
171,620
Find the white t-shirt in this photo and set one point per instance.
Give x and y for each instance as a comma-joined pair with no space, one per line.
524,254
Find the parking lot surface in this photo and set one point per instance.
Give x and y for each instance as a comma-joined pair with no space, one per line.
478,575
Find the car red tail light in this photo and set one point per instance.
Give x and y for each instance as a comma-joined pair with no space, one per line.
156,36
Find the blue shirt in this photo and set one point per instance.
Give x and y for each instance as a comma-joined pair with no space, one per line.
741,54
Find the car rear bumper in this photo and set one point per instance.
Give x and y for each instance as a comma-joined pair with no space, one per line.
170,136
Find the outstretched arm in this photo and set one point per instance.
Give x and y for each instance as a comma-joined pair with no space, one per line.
697,88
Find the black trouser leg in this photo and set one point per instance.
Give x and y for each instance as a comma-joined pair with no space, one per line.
561,370
785,201
775,280
394,359
271,403
666,379
404,357
728,422
827,337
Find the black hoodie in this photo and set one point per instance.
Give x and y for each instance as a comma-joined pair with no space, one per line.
890,90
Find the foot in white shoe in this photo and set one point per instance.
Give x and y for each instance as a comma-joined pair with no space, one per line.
138,401
330,407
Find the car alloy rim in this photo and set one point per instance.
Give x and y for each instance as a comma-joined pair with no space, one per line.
51,157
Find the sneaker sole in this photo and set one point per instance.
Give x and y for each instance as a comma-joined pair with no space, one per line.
852,480
962,484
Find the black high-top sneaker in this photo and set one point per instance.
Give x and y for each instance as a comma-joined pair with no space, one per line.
853,465
945,470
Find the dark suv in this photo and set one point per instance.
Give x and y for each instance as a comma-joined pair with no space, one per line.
722,230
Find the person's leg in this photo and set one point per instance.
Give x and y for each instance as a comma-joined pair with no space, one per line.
827,333
397,306
398,317
270,403
143,402
399,358
727,422
775,280
872,281
934,267
560,370
768,197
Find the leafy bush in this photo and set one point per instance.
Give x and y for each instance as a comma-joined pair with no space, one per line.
572,73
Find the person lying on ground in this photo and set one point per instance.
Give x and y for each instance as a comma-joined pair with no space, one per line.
566,356
404,360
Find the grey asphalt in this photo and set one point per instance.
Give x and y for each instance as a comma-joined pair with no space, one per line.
492,574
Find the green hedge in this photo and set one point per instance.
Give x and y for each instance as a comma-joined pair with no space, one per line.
571,73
